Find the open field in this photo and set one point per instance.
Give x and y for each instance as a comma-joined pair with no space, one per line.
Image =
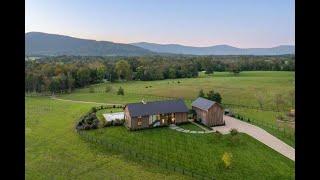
54,149
239,90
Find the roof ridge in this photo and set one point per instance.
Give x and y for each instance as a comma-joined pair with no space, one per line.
147,102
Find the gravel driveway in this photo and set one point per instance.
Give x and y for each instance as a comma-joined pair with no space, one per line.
257,133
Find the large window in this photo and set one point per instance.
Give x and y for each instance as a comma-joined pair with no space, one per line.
152,118
173,117
139,121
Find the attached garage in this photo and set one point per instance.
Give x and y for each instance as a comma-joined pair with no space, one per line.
209,113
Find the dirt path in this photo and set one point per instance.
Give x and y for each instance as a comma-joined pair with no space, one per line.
259,134
88,102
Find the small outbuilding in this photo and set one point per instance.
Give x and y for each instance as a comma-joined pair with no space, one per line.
209,113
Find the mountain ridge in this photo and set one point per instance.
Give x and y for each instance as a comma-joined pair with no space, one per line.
39,43
222,49
45,44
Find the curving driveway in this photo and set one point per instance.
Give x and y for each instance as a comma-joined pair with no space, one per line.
257,133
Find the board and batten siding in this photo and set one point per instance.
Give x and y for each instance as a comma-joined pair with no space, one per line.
181,117
211,117
127,117
144,122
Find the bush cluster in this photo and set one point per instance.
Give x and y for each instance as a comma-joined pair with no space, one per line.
233,132
116,122
88,121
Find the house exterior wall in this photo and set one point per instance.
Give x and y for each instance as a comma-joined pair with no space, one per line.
144,122
132,122
127,118
181,117
201,114
212,117
215,116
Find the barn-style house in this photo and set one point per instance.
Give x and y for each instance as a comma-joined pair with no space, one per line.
209,113
158,113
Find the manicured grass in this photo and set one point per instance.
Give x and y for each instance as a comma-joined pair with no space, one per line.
202,152
234,89
55,151
239,90
267,120
191,127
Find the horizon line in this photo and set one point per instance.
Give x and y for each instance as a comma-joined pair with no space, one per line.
131,43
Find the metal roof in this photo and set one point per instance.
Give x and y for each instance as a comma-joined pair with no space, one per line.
203,103
157,107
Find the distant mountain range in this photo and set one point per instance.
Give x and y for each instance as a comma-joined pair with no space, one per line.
215,50
43,44
37,43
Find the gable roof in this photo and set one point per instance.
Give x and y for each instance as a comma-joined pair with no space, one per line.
203,103
157,107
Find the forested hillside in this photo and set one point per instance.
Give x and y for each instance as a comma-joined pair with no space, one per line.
64,73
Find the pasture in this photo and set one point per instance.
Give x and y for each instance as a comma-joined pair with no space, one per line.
239,93
239,90
54,149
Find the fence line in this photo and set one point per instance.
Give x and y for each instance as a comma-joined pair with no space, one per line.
268,125
123,148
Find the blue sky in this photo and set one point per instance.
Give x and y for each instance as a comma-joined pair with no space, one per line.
240,23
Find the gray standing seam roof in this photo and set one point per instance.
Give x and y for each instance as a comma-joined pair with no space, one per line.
202,103
157,107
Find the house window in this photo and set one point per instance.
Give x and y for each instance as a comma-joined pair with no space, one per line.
139,121
173,117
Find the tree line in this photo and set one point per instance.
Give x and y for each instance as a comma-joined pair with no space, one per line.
64,73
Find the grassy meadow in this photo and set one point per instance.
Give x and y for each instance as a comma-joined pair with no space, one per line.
55,150
240,90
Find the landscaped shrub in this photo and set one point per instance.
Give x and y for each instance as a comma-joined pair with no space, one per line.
233,132
88,121
118,122
227,159
120,91
218,134
93,109
107,123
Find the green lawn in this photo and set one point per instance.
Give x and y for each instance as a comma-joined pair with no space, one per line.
191,127
55,151
267,120
240,90
202,152
234,89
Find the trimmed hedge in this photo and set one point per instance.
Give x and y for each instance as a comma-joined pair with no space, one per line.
88,121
